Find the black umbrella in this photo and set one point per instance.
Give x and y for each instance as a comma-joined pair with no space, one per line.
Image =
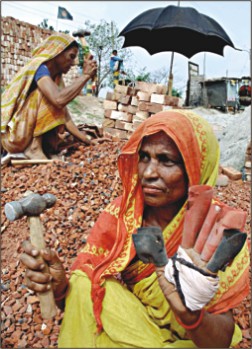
177,29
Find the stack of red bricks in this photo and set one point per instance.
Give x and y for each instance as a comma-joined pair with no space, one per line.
127,107
18,39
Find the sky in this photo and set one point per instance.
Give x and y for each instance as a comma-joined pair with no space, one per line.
233,16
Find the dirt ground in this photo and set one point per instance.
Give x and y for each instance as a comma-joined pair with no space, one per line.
87,109
83,185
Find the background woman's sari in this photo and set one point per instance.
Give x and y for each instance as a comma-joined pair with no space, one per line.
26,115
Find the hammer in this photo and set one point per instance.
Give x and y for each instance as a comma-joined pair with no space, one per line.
32,205
81,34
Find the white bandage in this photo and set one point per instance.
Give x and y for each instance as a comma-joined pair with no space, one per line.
197,288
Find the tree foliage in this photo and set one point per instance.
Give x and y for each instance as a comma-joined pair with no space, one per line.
44,24
143,75
102,41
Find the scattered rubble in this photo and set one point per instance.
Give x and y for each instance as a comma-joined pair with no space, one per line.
83,185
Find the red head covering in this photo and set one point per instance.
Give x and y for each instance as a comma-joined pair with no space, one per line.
110,248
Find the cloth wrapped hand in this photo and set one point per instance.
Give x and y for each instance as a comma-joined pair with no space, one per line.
195,286
211,238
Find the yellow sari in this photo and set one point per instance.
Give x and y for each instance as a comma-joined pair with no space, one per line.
26,115
113,303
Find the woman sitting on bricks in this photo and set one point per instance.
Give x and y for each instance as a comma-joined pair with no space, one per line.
34,113
123,291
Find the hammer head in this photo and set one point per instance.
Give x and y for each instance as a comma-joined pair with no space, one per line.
149,245
81,33
32,205
231,244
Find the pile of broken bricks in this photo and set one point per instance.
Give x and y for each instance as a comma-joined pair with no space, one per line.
83,185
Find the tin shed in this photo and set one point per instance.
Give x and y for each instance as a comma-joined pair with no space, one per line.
222,93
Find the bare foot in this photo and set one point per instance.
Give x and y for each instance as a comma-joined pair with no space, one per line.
35,155
34,150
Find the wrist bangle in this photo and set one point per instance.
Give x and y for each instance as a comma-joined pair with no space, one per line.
64,293
195,325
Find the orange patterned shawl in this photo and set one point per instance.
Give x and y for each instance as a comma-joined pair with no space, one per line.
110,249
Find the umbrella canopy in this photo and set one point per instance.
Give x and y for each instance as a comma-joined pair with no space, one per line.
178,29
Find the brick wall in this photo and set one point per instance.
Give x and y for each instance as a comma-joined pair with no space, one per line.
18,39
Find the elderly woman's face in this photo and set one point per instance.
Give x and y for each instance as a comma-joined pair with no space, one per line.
66,59
161,171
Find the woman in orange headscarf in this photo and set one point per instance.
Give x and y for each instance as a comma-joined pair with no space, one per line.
115,300
34,103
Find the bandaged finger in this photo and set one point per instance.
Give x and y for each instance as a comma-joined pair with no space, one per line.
194,286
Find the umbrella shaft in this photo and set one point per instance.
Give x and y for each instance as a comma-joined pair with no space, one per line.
171,65
170,80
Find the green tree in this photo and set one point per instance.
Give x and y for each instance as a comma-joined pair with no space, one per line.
44,25
143,75
102,41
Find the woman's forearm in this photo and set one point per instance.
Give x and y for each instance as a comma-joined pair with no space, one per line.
60,294
67,94
206,330
61,97
73,129
213,331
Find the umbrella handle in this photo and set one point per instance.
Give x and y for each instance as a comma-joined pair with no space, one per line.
170,80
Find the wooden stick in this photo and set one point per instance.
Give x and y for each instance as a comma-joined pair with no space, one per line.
47,302
31,161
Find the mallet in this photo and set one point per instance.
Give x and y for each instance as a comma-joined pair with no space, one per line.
31,206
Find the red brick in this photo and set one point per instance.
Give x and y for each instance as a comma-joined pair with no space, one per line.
119,115
127,126
143,96
150,107
109,104
132,109
108,123
121,89
113,132
122,107
107,113
134,101
232,173
125,99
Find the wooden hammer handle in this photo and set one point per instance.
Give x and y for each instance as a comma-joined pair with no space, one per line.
47,302
32,161
83,41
